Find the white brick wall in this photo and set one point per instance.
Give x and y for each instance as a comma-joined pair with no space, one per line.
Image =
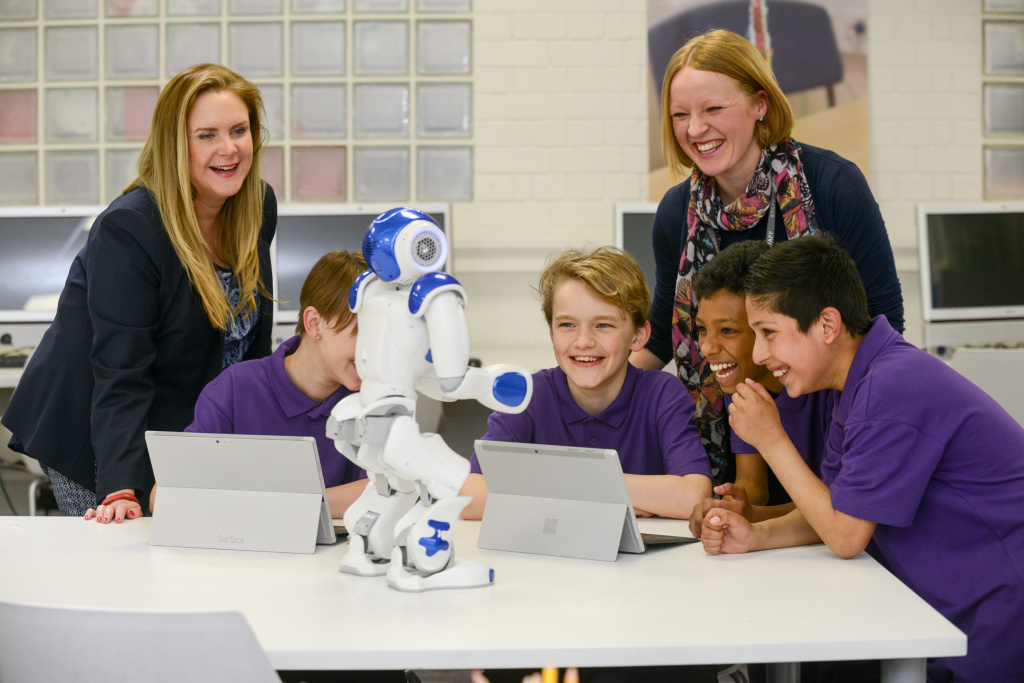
560,137
924,68
924,80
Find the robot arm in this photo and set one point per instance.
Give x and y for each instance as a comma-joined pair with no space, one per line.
502,387
441,300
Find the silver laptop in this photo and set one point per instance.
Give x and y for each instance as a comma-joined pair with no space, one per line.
238,492
559,500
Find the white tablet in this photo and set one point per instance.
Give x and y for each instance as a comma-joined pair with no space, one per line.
238,492
558,500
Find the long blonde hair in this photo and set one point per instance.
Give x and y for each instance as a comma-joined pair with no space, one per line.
163,167
731,55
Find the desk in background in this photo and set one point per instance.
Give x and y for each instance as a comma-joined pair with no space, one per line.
9,377
669,606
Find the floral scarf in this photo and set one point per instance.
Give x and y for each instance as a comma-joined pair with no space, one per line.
779,174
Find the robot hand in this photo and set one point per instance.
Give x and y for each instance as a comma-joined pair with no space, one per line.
501,387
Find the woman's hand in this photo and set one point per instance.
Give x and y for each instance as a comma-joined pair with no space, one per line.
117,507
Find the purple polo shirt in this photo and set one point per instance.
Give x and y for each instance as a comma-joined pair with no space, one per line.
256,397
939,465
805,419
648,423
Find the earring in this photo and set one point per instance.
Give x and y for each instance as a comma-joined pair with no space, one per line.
761,119
317,337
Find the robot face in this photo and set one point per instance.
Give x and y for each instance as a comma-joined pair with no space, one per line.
404,244
425,249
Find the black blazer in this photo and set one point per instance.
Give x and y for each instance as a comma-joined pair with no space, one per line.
130,349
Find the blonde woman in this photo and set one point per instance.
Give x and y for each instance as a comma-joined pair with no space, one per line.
726,129
173,285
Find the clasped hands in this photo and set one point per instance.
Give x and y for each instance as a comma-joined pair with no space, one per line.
725,525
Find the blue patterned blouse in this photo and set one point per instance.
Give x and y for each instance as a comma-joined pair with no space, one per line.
242,327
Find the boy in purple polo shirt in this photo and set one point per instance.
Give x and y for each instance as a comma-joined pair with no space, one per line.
292,391
918,461
596,305
727,342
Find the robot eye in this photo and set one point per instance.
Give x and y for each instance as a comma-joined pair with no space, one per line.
426,249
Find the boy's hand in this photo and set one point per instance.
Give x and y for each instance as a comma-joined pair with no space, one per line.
754,416
734,498
726,532
734,492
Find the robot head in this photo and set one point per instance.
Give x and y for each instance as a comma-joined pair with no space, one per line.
404,244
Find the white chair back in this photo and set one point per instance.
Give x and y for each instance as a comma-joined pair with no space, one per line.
50,644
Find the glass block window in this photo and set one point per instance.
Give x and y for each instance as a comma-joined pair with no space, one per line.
1004,172
1003,99
366,100
1004,5
1004,47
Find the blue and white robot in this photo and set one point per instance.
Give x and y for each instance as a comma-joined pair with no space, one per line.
413,336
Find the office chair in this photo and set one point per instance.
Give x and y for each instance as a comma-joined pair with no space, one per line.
805,54
32,467
39,478
44,644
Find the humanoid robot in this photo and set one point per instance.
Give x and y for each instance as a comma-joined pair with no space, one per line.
413,336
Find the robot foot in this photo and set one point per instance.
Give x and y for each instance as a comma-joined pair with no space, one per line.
356,561
461,574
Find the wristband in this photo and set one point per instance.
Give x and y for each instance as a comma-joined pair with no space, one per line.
114,497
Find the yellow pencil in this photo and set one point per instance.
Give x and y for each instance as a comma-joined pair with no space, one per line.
549,674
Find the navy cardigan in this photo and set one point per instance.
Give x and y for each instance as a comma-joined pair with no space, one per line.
845,208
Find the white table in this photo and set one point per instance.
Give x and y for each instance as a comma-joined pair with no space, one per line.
670,606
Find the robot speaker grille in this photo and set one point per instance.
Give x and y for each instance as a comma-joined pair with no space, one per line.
426,249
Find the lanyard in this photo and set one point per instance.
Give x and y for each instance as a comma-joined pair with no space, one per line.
769,236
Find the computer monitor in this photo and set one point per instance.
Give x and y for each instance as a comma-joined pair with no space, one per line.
38,247
633,225
305,232
971,258
40,243
972,289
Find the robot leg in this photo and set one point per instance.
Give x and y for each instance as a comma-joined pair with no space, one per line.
425,459
424,554
370,522
423,558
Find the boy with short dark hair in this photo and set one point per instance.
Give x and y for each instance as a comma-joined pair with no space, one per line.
727,342
918,461
292,391
596,305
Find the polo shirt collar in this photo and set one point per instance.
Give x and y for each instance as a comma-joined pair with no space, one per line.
614,415
292,401
878,337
